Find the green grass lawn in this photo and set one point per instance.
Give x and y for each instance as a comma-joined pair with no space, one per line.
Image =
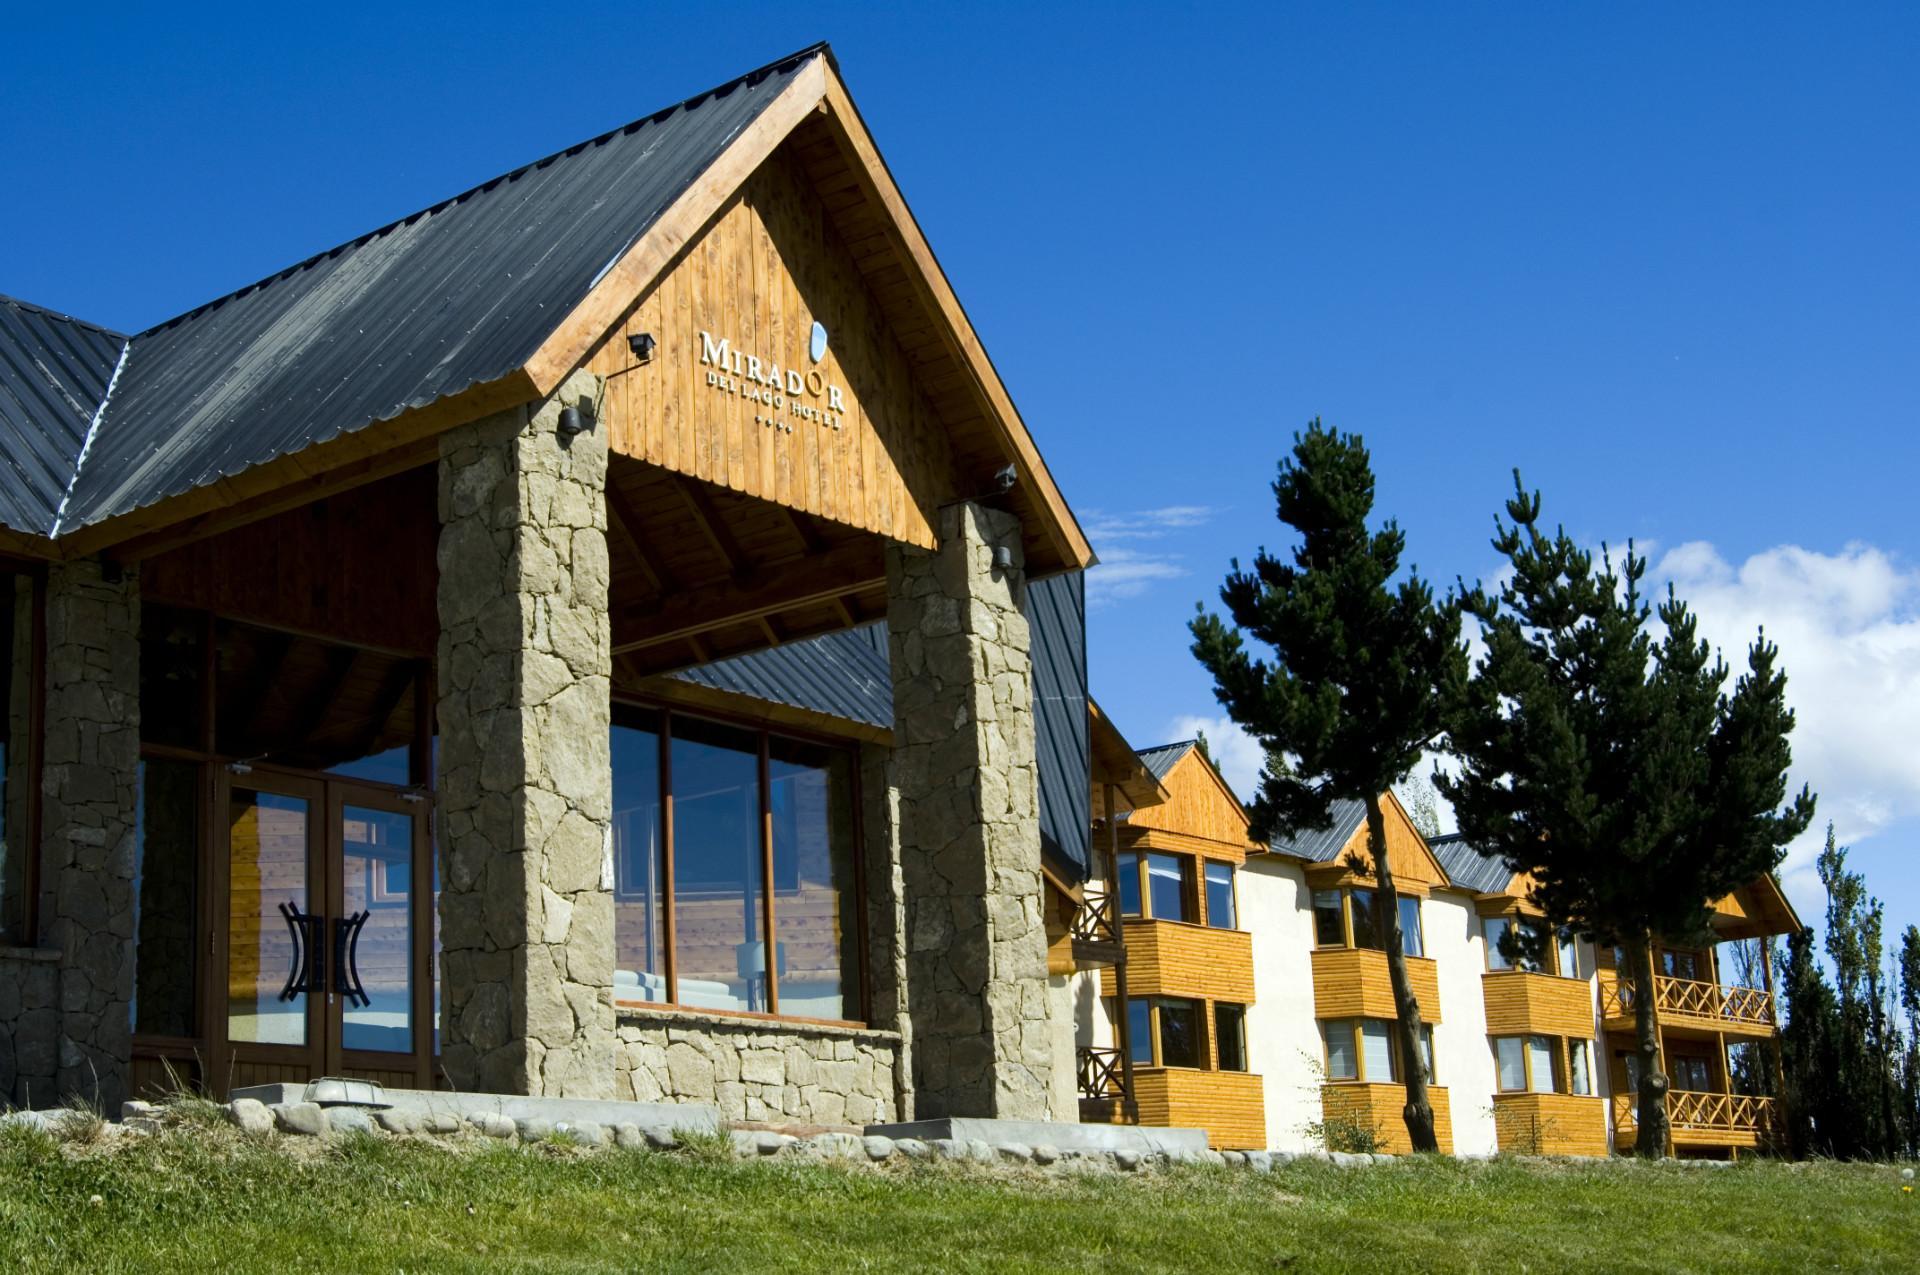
208,1200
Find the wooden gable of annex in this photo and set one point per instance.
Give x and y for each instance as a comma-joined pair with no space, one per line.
740,514
1415,869
1200,815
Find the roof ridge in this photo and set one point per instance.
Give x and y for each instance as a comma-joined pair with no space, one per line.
60,316
86,442
818,48
1161,748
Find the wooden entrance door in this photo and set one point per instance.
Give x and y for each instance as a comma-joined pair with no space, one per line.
323,960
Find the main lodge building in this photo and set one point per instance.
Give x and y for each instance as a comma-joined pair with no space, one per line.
611,635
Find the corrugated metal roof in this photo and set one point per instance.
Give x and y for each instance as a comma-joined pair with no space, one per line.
1164,757
841,674
1324,845
1467,867
54,371
457,295
1057,625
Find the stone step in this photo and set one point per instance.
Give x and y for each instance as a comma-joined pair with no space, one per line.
1062,1135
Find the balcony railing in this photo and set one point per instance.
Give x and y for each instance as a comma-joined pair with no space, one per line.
1097,919
1690,1111
1689,998
1100,1073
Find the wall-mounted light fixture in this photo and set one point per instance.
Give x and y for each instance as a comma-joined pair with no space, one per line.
642,344
572,421
1005,478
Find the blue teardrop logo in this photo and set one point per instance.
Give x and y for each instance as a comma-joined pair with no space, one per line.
818,347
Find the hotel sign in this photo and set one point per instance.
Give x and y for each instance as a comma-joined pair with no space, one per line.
785,393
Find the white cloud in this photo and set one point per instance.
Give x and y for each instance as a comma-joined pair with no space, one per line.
1145,524
1848,629
1122,573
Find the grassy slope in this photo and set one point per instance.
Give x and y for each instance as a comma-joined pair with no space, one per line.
180,1201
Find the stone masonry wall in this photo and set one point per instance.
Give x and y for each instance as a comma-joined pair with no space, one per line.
886,913
969,822
29,1026
89,784
779,1072
525,784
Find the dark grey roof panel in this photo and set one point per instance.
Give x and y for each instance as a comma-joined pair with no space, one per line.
458,295
1467,867
54,371
1162,759
840,674
1324,845
1057,625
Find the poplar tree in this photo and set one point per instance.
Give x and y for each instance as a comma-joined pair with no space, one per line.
1349,701
1604,755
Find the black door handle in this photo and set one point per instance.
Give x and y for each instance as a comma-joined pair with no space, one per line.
346,958
306,974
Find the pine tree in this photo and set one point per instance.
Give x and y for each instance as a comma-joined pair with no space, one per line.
1867,1053
1814,1097
1349,702
1607,759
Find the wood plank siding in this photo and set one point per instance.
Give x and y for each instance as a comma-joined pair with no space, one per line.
1173,958
1381,1106
1550,1124
1519,1002
858,445
1229,1105
1352,983
1198,807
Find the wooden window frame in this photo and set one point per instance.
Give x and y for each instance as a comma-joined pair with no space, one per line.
1213,1033
764,735
1423,1040
1559,1047
1203,866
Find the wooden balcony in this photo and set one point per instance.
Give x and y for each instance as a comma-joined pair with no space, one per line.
1352,983
1229,1105
1520,1002
1550,1124
1173,958
1382,1107
1095,930
1703,1120
1684,1002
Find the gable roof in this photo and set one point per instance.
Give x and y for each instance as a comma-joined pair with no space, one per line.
1467,867
844,675
1324,845
54,373
1165,757
482,302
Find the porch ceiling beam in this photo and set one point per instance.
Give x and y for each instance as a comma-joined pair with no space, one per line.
313,707
845,569
713,527
811,543
625,523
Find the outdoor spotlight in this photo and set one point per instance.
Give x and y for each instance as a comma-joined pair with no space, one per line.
1004,480
642,344
572,421
1002,558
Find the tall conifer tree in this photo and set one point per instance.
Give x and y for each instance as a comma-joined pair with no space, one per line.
1606,758
1349,701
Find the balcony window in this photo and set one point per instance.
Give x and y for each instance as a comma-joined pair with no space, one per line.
1691,1073
1365,933
1579,1078
1180,1044
1685,965
1230,1036
1343,1056
1411,943
1571,965
1140,1031
1129,884
1496,929
1510,1059
1376,1049
1362,1049
1169,886
1542,1064
1220,913
1329,926
1516,943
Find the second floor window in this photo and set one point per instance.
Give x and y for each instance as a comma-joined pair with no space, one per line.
1345,918
1220,913
1159,887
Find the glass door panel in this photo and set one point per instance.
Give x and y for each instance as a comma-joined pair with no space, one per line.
271,936
373,935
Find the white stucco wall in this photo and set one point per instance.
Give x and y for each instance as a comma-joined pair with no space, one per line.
1064,1099
1283,1040
1462,1058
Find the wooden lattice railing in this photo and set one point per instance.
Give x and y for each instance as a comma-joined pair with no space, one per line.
1100,1073
1097,919
1690,997
1691,1110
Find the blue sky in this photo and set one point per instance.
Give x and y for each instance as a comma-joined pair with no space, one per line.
1665,263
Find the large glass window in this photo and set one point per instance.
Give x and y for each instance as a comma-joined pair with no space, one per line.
1570,963
1169,886
1129,870
1328,928
1495,930
1365,932
1140,1031
165,892
1376,1050
1411,942
1180,1044
1230,1036
1540,1064
698,825
1579,1079
1510,1059
1543,1064
1517,944
1220,896
1363,1049
1343,1059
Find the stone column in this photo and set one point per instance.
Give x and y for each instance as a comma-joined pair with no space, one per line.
969,829
525,783
89,785
886,914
